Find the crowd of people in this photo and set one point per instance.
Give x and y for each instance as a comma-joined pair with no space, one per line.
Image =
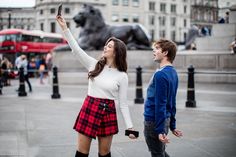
37,66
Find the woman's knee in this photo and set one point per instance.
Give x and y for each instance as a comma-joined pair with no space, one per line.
104,145
84,143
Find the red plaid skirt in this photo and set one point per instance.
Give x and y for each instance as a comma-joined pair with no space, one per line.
97,117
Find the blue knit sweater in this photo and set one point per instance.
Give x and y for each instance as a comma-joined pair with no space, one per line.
161,98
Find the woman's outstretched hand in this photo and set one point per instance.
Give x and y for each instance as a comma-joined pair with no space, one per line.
62,22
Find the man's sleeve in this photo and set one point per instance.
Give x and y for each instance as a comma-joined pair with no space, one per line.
160,101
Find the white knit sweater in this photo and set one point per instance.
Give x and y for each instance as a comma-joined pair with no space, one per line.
109,84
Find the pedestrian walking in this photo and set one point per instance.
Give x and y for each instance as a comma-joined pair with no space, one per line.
107,81
160,103
42,69
6,68
48,60
23,62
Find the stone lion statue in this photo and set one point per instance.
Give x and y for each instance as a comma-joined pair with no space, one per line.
94,31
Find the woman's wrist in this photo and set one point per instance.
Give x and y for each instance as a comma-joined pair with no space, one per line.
64,28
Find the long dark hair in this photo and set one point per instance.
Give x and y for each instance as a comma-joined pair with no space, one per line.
120,58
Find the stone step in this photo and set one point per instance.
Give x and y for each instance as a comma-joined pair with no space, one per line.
214,43
223,30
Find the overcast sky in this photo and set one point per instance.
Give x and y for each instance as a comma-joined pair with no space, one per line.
16,3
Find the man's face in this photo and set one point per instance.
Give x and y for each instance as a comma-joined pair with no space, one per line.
158,54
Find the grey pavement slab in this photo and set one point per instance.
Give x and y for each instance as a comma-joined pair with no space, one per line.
38,126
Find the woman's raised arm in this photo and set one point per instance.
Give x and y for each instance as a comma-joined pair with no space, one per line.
86,60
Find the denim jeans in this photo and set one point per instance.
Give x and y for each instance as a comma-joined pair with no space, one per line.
155,146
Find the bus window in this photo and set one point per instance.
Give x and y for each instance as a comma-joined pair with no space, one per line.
52,40
8,37
30,38
2,38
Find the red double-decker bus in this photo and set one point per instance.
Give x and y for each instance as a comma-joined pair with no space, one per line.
13,41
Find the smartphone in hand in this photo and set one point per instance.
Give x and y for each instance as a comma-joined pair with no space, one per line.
59,10
135,133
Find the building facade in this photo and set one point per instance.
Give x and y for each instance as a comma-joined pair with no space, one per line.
204,13
22,18
224,6
162,18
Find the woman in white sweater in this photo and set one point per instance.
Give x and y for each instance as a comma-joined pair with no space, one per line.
107,81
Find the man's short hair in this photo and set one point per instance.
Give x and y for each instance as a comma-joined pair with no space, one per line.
169,46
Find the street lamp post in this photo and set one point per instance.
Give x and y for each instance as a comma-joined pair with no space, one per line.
9,18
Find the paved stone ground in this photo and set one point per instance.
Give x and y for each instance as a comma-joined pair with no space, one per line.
37,126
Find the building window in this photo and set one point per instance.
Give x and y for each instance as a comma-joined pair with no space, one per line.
185,23
68,24
125,18
185,36
162,21
135,3
152,6
173,8
41,26
41,12
52,10
115,2
135,18
172,21
173,35
163,7
125,2
67,10
115,18
53,27
162,34
185,9
152,33
152,20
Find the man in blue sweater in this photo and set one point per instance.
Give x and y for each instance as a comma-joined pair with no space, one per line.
160,104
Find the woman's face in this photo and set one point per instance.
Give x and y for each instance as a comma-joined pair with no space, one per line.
108,51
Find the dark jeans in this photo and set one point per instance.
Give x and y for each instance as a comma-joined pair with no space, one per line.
26,77
155,146
28,82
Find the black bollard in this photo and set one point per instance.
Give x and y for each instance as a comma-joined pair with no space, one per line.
191,91
139,90
55,94
21,91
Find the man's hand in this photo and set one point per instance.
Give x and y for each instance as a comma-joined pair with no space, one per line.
177,133
163,138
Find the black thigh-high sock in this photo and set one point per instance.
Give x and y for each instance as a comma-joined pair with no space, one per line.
79,154
108,155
